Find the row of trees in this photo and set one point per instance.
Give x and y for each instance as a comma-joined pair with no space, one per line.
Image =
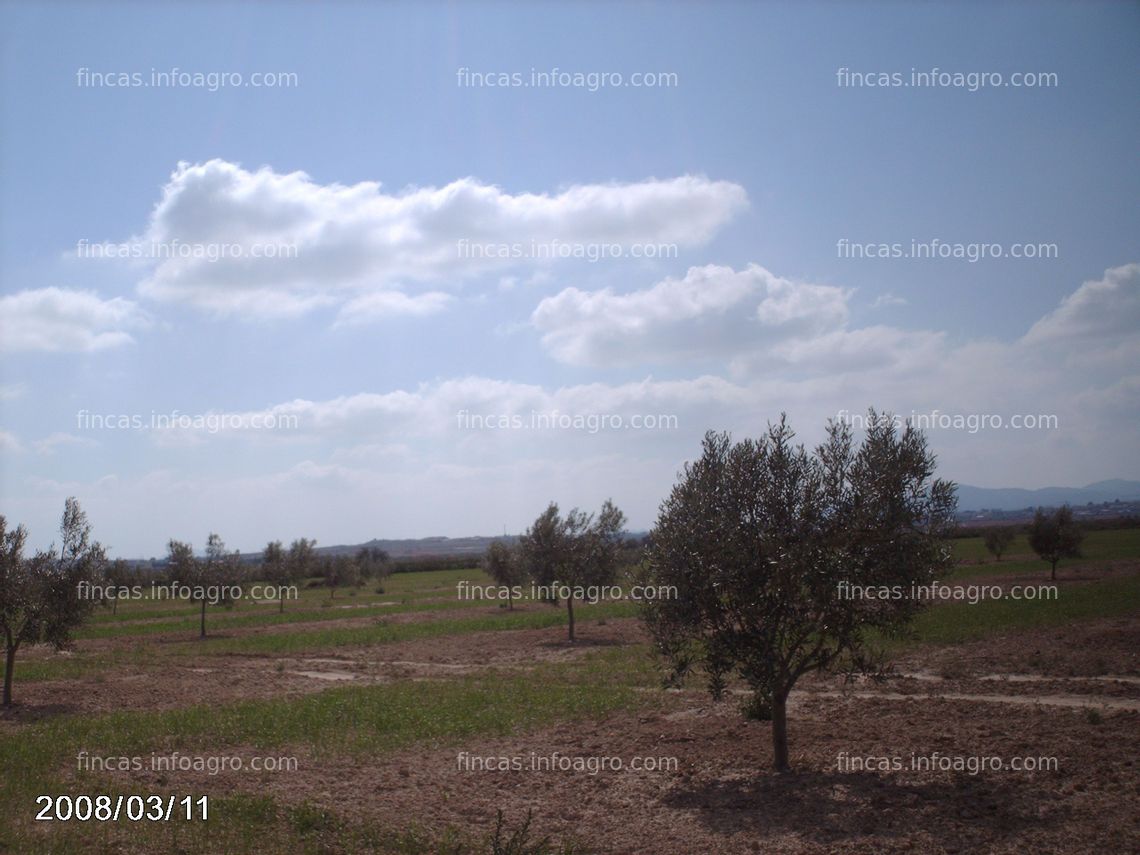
354,571
1052,535
219,575
46,596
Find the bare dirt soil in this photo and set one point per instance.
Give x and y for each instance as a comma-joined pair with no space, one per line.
722,797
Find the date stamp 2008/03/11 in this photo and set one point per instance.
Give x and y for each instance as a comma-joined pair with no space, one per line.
113,808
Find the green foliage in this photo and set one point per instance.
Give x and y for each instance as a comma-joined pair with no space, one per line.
42,598
998,539
215,579
506,566
951,623
577,550
307,818
340,571
373,563
757,537
756,708
1055,536
517,842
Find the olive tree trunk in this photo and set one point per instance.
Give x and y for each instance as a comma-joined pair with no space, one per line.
780,733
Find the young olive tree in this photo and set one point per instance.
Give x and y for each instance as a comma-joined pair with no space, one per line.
275,568
41,598
998,539
302,561
340,571
1055,536
117,579
373,563
765,545
506,566
213,580
576,551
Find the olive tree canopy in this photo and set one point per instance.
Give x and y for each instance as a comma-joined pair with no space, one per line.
769,548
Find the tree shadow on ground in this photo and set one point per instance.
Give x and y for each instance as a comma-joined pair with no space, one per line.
583,641
22,713
831,808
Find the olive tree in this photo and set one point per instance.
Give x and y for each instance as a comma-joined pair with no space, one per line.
998,539
301,562
275,568
767,547
117,578
506,566
1055,536
373,563
213,580
577,551
340,571
41,598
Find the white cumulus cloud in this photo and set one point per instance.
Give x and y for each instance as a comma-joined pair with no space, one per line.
292,244
385,304
62,320
711,311
1109,306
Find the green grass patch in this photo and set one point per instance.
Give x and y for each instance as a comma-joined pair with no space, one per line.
1104,545
360,722
951,623
314,640
220,618
381,632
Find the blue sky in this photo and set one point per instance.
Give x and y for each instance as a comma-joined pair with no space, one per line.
378,334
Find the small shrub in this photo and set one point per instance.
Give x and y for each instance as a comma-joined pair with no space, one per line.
308,818
518,841
756,708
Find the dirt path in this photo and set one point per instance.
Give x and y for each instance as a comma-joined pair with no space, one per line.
1077,701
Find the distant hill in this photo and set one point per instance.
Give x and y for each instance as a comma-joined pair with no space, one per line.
1015,498
411,548
971,502
423,547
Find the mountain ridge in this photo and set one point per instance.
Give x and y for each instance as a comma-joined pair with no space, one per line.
1019,498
